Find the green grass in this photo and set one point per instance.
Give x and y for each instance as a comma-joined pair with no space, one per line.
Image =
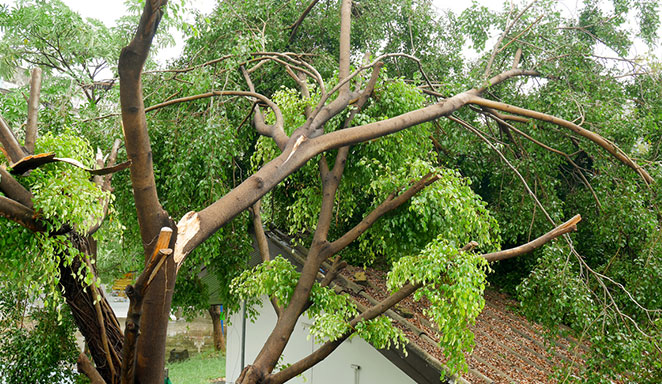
199,369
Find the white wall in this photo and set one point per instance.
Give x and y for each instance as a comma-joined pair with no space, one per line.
335,369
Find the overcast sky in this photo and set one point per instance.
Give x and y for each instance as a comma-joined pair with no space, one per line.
109,10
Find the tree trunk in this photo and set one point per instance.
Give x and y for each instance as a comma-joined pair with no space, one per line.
81,302
219,338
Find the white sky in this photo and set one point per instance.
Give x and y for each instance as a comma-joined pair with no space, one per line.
109,10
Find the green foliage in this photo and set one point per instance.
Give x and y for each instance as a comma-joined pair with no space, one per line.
453,282
40,348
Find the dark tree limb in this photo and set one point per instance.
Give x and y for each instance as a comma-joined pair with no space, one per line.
33,110
294,27
13,189
20,214
12,149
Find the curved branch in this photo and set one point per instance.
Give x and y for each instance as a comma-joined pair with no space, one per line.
594,137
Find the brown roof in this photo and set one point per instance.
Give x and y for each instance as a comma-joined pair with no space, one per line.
509,348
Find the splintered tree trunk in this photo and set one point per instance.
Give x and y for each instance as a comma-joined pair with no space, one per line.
81,300
219,338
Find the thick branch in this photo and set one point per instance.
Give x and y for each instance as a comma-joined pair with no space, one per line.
330,346
85,366
392,202
505,76
33,110
594,137
12,148
136,294
151,215
567,227
20,214
13,189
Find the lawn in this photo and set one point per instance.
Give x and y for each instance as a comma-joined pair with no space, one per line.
199,369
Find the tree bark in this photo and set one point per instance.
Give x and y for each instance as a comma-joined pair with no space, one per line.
81,303
219,337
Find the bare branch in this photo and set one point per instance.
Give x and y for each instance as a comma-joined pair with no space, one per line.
274,131
33,110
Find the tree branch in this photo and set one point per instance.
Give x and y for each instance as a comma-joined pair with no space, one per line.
567,227
330,346
294,27
274,131
12,148
392,202
594,137
85,366
136,293
20,214
33,110
13,189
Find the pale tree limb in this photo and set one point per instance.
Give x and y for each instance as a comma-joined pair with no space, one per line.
275,131
325,350
495,50
298,151
33,110
393,201
598,276
594,137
